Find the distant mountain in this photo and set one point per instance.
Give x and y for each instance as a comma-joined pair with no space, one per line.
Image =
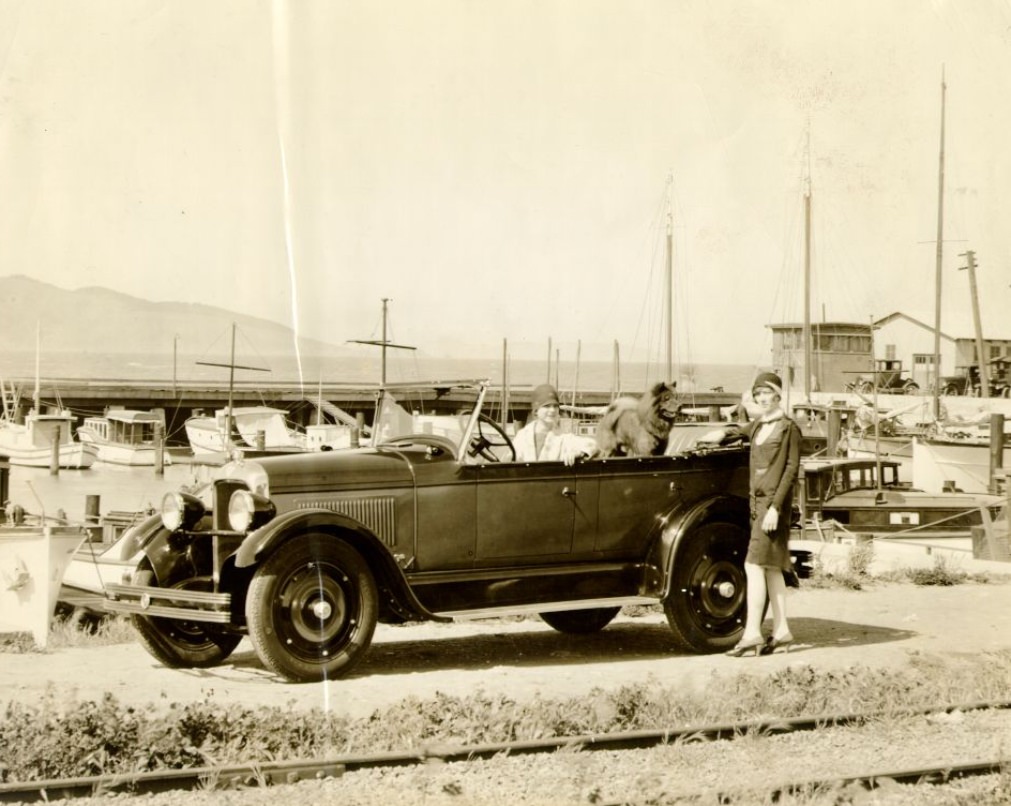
99,320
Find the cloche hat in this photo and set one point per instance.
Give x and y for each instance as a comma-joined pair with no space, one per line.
768,380
543,395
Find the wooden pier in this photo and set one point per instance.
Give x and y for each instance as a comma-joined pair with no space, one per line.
180,400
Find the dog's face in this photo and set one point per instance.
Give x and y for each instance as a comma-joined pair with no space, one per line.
663,401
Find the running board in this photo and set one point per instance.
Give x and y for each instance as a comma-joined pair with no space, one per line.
546,607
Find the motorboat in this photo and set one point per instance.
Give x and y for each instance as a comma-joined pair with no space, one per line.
125,437
32,443
867,495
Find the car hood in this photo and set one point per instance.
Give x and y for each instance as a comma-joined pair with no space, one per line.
361,467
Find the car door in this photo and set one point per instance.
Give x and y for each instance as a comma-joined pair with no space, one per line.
631,493
524,510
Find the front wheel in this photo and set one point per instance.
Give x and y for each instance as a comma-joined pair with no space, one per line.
312,608
707,602
580,622
181,644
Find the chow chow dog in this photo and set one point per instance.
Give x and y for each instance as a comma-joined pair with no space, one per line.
638,426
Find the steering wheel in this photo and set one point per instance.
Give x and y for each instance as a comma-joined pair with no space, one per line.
488,435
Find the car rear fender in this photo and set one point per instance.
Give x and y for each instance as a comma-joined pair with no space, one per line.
677,525
269,538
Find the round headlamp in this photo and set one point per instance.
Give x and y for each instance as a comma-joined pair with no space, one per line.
181,511
247,510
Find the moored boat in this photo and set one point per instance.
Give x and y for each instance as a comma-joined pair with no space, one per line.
31,443
209,434
866,495
125,437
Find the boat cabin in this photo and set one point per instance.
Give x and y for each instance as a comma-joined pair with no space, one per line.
125,427
855,495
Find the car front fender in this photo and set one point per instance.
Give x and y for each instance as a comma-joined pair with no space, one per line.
677,525
271,537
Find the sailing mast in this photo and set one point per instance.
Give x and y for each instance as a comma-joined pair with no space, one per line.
232,366
669,277
807,277
937,269
384,342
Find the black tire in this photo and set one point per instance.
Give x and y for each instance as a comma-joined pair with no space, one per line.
312,608
707,603
866,387
912,388
580,622
181,644
950,390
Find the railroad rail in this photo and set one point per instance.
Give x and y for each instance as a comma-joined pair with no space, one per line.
292,771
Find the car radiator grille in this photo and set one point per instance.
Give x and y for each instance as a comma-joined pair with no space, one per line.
375,512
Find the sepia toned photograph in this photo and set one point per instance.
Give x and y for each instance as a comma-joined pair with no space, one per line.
533,402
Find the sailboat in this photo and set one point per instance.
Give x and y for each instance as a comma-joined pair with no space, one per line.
957,455
243,427
32,440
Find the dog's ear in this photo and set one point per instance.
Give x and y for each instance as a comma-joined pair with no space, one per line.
661,387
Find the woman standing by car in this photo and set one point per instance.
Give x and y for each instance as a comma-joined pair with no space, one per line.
775,463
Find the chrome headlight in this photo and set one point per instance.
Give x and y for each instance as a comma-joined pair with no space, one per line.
248,511
181,510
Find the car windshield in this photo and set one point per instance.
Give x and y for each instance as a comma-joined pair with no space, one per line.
443,410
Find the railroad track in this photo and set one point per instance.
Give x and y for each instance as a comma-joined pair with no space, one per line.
288,772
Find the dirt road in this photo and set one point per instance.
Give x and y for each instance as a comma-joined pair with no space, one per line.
884,626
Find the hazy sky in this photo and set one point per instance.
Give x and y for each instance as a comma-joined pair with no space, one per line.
499,169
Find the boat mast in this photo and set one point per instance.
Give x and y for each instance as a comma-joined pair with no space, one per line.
384,343
231,389
807,276
36,394
937,268
505,383
575,383
669,276
616,373
232,366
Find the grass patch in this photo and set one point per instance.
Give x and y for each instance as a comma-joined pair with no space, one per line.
56,739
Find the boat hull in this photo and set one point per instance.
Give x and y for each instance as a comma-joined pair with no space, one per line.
72,457
940,464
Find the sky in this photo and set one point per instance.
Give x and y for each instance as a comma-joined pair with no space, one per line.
504,171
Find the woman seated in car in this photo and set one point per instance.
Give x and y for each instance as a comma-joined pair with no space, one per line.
542,440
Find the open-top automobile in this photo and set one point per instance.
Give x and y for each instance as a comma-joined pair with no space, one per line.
435,519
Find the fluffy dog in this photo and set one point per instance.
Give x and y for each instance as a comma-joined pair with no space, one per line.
638,426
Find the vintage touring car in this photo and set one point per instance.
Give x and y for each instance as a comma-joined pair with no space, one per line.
435,519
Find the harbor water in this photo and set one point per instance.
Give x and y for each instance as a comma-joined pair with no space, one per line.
119,488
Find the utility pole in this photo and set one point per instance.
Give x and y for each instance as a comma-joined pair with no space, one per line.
984,374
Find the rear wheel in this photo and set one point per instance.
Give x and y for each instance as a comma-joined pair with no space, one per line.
312,608
581,622
707,602
181,644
